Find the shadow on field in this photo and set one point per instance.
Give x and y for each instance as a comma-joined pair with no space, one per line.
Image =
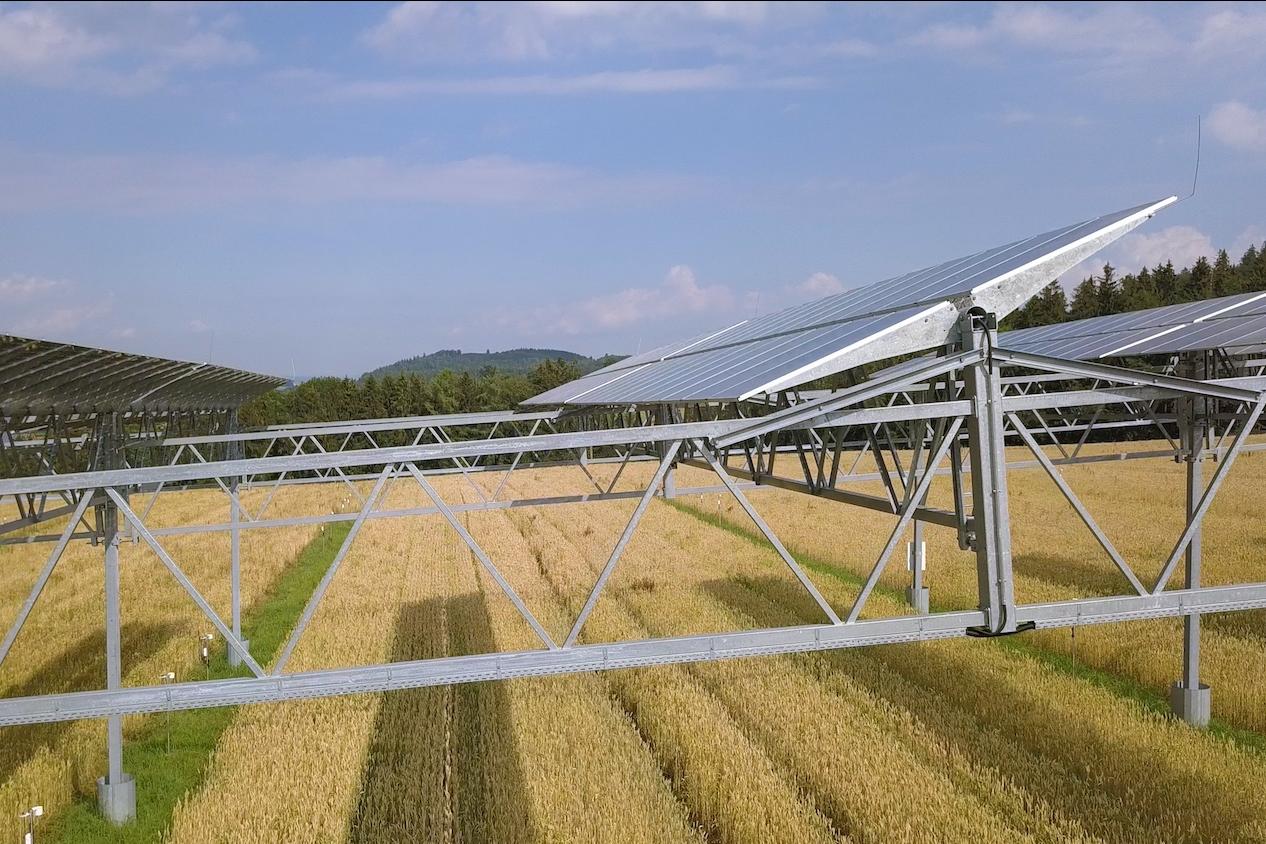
82,666
1089,577
999,723
1101,578
443,762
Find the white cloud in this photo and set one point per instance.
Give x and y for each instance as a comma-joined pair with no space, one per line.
115,49
680,293
1240,126
45,308
1020,117
144,183
1252,236
948,36
22,288
819,285
1113,36
1180,244
647,81
1232,31
431,31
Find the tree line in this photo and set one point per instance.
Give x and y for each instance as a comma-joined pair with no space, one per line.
407,394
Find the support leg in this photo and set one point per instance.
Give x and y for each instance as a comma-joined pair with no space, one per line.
670,476
235,574
116,791
991,538
916,593
1190,699
235,548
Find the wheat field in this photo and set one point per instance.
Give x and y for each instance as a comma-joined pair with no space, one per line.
1030,739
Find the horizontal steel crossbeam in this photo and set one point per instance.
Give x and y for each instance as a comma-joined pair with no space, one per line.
683,649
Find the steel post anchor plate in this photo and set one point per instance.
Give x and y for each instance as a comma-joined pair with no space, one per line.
117,800
919,598
1193,705
235,659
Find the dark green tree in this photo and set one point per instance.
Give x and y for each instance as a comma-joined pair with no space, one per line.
549,374
1085,302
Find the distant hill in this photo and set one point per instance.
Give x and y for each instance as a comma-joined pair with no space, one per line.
513,360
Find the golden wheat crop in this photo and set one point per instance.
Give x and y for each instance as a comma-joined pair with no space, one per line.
61,648
1137,503
940,741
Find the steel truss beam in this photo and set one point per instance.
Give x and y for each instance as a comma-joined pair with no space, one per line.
683,649
976,398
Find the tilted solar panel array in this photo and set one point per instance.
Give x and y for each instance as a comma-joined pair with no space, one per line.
1226,322
40,376
906,313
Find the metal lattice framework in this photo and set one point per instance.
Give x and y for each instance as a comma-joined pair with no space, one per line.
949,413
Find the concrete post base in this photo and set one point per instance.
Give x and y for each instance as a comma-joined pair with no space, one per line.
918,599
235,660
117,801
1192,705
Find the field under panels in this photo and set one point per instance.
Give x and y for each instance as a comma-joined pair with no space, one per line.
1053,736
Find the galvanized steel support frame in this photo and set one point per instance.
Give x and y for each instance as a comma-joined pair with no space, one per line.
934,428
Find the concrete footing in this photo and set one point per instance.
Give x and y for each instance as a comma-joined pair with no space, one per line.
918,598
1192,705
235,660
117,801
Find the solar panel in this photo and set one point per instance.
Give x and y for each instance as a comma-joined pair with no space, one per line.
907,313
40,376
1224,322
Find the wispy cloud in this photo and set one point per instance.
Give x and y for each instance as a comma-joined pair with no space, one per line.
1254,235
645,81
679,294
48,308
1122,40
818,285
113,49
435,31
16,289
1240,126
1024,117
1114,31
1180,244
138,183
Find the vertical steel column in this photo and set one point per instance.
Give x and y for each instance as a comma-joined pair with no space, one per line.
916,557
991,516
1190,699
116,791
670,476
235,452
917,593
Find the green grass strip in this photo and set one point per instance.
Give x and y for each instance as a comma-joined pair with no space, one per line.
1124,687
170,759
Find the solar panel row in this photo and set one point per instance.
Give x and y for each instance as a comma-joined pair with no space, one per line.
1224,322
40,376
907,313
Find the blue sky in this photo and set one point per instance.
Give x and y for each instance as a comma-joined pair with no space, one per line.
334,187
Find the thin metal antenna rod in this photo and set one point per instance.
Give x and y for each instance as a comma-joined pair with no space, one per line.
1195,176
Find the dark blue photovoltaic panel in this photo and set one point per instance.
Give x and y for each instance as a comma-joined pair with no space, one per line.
729,371
1206,324
733,362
